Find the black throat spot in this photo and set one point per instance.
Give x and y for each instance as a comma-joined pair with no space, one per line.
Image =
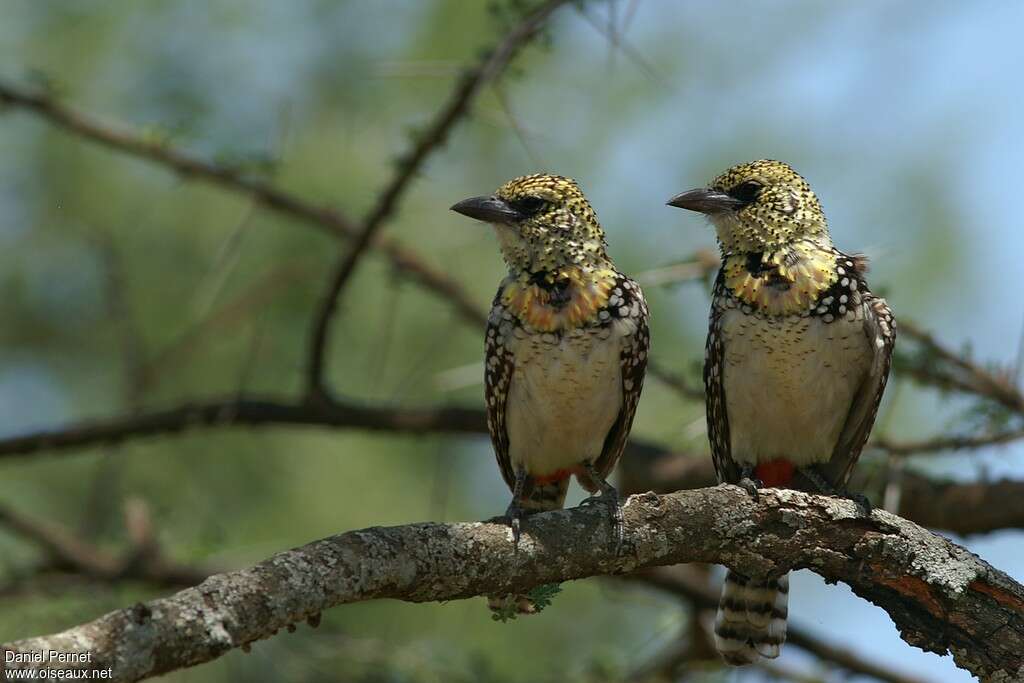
558,290
756,265
769,271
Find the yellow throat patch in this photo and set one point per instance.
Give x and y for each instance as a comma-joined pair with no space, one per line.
570,298
784,282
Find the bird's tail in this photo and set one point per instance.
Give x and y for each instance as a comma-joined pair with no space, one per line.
751,619
539,495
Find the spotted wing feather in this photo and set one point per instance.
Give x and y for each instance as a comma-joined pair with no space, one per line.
880,329
633,366
714,390
499,365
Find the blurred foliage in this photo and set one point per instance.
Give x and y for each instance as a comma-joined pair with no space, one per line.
105,257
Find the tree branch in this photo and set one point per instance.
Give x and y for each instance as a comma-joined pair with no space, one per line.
676,381
65,551
247,411
182,163
454,110
332,221
957,371
940,596
963,508
951,442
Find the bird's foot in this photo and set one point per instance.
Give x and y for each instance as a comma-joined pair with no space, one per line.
514,514
860,500
825,487
609,496
748,482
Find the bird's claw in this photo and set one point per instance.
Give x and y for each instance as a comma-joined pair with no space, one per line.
861,501
610,496
749,483
826,488
514,513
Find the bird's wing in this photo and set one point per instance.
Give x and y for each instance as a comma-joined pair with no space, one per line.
626,303
714,390
499,364
880,329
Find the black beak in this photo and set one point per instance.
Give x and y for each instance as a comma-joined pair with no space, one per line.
705,201
489,209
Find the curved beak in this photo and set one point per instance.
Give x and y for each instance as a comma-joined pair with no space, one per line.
489,209
705,201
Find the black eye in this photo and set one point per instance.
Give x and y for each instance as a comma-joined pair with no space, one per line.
747,191
528,206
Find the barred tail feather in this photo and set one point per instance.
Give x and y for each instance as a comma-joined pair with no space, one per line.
751,619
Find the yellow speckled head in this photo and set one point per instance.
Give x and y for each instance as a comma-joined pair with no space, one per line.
759,206
543,223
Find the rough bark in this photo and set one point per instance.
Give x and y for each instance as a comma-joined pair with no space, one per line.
941,597
964,508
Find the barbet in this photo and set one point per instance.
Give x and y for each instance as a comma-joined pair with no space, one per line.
797,357
566,346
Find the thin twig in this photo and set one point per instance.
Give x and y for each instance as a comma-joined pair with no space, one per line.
941,444
182,163
131,347
962,374
455,109
253,297
676,381
66,552
331,220
700,266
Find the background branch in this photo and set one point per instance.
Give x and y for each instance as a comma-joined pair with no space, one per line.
159,151
454,110
958,371
66,551
248,411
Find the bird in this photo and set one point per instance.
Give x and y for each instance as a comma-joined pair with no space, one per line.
797,357
566,348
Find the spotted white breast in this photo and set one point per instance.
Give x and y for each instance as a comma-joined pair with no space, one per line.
565,395
790,382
